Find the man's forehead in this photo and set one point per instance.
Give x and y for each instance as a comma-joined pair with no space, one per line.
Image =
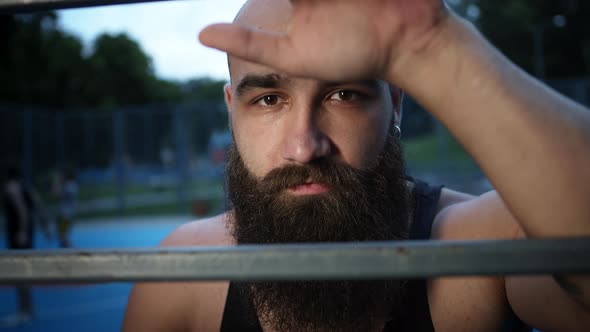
267,15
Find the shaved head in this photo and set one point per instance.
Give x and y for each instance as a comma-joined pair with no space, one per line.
267,15
270,15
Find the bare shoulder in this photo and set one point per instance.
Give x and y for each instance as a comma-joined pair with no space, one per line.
456,303
206,232
463,216
182,306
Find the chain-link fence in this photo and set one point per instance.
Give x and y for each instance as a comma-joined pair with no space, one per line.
170,157
156,156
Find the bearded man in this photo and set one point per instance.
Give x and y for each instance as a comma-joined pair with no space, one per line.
314,105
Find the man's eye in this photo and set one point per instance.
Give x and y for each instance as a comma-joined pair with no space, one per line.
268,100
345,95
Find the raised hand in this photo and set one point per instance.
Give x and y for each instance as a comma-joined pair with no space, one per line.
337,40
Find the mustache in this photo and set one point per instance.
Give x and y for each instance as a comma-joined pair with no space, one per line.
326,172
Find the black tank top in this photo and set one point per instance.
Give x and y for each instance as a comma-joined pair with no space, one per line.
240,315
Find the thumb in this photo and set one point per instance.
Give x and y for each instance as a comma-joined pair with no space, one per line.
247,43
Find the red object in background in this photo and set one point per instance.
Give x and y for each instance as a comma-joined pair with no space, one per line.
200,208
218,156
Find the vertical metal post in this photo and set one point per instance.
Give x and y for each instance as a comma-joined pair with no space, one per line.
88,138
580,93
60,140
147,135
538,38
27,161
181,155
43,141
119,142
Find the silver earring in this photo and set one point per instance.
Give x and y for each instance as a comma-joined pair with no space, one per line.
397,132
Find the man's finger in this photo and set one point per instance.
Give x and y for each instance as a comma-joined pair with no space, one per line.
245,43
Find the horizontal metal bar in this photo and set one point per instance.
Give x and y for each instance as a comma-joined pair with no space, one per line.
374,260
27,6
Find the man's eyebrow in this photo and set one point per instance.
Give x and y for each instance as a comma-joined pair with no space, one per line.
253,81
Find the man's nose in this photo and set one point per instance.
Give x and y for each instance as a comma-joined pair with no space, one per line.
305,141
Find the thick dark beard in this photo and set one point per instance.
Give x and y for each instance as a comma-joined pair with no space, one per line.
362,205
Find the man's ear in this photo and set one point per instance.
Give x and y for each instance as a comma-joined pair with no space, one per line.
227,93
397,98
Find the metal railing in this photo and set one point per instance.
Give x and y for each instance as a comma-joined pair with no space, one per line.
27,6
370,260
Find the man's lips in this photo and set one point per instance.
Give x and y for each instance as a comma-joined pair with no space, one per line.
309,188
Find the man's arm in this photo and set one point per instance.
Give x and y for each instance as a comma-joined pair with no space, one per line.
531,142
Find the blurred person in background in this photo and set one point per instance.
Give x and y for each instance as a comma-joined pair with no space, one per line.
66,190
19,211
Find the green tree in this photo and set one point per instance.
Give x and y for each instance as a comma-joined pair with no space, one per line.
122,74
41,64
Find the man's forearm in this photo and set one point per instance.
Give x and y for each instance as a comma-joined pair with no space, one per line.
531,142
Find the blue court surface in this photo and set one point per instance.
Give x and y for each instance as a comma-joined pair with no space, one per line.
86,308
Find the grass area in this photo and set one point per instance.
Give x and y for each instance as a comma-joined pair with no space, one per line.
434,151
215,206
210,188
160,209
91,192
422,153
110,190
